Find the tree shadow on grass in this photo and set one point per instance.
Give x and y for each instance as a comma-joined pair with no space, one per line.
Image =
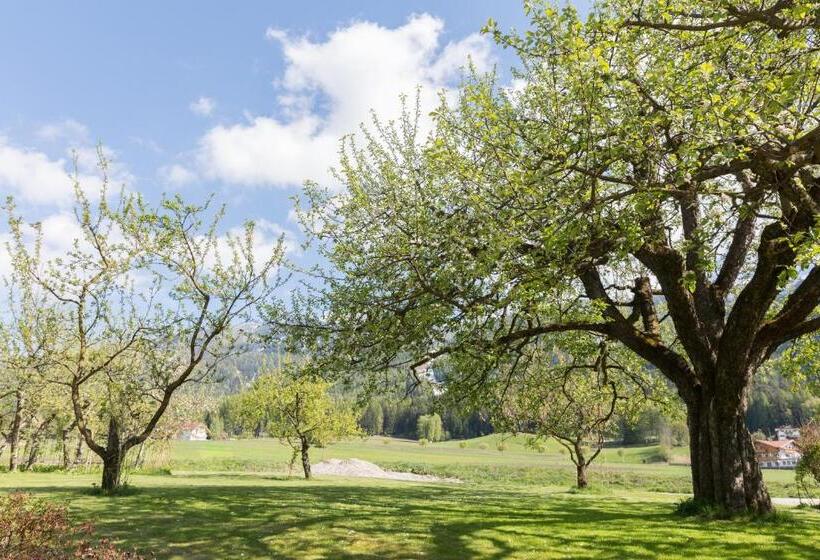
322,519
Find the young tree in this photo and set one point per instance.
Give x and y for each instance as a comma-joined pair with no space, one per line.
149,300
27,336
574,390
655,179
299,411
429,427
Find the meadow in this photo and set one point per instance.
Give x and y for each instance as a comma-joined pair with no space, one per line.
234,499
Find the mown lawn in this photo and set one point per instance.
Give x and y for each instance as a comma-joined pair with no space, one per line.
220,517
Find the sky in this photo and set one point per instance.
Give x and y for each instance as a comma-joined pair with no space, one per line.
243,100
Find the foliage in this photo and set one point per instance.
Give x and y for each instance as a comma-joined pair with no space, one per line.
653,180
147,300
298,410
35,529
807,473
429,427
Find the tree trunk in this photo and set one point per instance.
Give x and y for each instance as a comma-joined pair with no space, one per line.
581,475
78,451
33,452
66,433
725,472
112,459
306,458
112,469
14,432
580,467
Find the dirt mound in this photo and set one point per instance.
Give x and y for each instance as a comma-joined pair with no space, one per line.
366,469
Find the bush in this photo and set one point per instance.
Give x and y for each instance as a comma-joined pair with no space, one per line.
482,446
462,444
501,446
386,441
34,529
423,442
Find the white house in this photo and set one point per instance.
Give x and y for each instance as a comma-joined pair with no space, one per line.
193,431
787,432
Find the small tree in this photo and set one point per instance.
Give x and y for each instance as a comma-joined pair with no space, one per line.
574,395
373,418
429,427
807,473
147,301
299,411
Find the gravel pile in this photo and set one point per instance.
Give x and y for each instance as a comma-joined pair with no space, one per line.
366,469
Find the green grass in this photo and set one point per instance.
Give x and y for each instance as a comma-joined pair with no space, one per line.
479,462
250,517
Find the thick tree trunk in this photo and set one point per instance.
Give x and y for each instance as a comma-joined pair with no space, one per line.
112,470
112,459
725,472
306,458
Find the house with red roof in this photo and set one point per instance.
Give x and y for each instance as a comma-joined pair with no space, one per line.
192,431
777,454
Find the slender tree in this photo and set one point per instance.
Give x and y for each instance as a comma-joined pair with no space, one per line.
575,390
653,177
299,411
149,300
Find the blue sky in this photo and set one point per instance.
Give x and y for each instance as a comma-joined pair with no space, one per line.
242,99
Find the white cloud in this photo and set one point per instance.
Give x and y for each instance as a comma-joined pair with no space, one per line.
328,89
59,231
203,106
177,175
68,130
33,177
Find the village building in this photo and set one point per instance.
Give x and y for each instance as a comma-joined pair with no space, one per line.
787,432
192,431
777,454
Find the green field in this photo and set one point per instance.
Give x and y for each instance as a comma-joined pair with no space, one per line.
199,512
480,461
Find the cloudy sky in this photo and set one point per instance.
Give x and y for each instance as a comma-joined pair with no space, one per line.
242,99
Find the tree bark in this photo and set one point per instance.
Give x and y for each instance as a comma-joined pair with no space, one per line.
581,475
112,459
112,470
725,472
78,451
66,434
14,432
306,458
580,467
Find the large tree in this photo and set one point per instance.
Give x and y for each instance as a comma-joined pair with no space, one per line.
653,176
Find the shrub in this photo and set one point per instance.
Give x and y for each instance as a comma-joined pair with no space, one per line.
423,442
34,529
482,446
501,446
386,441
462,444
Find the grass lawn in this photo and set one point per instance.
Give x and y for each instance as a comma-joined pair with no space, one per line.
199,517
480,461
